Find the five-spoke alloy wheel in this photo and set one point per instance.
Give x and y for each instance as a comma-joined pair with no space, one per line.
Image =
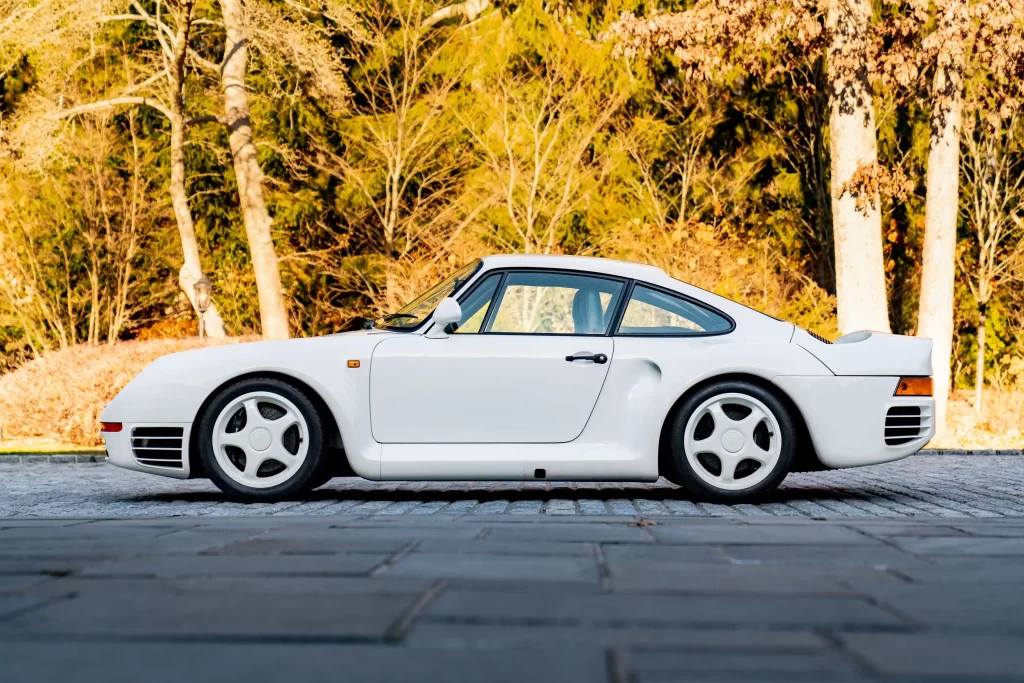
731,442
262,439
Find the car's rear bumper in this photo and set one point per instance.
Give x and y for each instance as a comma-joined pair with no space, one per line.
846,418
164,455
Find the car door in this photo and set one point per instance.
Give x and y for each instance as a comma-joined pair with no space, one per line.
525,365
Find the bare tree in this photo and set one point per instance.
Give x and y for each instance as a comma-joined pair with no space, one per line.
856,210
402,155
248,174
162,91
943,52
993,206
716,37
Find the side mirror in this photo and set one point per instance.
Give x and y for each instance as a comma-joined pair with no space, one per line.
446,313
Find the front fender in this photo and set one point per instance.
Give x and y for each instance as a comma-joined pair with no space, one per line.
173,388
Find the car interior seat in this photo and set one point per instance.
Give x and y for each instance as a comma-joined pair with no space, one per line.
587,316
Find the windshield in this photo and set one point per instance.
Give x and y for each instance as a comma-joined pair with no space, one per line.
413,314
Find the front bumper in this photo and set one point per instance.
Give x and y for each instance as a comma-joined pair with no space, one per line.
150,447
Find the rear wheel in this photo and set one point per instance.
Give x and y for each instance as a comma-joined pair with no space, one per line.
731,442
261,440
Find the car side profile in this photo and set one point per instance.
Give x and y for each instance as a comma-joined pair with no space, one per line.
533,367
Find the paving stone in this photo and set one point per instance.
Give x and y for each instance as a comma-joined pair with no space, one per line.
797,554
666,665
441,634
485,566
967,657
761,534
501,547
918,487
643,576
623,610
227,565
652,555
13,605
319,545
571,532
951,545
17,582
967,570
988,608
34,662
153,611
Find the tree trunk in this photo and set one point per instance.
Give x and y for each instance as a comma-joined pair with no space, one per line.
979,372
191,267
856,214
249,176
935,316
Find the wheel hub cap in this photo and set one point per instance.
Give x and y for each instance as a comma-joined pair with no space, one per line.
260,439
732,441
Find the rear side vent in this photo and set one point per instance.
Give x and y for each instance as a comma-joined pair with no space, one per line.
818,337
158,446
903,424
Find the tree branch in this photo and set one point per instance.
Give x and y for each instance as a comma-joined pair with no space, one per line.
104,105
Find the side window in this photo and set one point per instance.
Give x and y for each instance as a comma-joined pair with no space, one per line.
554,303
476,304
653,312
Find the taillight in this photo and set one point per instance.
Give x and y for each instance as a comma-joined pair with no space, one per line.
914,386
111,426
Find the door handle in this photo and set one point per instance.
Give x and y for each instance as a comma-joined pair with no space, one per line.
598,358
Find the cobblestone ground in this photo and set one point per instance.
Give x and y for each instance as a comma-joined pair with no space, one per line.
941,485
904,573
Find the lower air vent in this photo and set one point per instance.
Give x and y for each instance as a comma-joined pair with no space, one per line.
903,424
158,446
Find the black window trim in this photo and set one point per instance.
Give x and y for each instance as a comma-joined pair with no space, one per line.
678,295
629,284
500,293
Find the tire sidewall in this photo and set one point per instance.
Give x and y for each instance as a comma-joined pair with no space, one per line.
310,471
690,480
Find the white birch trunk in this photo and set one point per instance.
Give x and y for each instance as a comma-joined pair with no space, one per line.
935,315
860,274
249,176
191,268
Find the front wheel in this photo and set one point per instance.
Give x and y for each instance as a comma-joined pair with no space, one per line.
261,440
731,442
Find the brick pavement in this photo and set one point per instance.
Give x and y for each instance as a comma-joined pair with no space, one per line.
944,486
537,598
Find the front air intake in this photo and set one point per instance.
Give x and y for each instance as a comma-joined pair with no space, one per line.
158,446
903,424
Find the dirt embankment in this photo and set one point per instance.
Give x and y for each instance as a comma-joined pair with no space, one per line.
56,400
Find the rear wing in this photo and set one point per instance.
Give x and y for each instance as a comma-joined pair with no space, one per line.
871,353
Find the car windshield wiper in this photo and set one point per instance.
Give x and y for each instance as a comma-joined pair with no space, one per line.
395,316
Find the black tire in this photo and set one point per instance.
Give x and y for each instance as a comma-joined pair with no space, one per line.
324,477
681,471
314,469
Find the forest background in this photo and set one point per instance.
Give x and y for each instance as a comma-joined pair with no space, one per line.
836,163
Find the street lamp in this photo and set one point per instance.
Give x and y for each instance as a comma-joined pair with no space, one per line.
203,289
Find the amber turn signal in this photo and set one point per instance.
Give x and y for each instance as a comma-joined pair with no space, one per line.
353,364
914,386
110,426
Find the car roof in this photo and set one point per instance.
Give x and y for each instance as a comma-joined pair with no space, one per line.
637,271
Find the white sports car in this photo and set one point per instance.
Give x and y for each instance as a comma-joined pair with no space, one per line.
533,367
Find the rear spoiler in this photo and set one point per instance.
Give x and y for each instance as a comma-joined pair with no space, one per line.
871,353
